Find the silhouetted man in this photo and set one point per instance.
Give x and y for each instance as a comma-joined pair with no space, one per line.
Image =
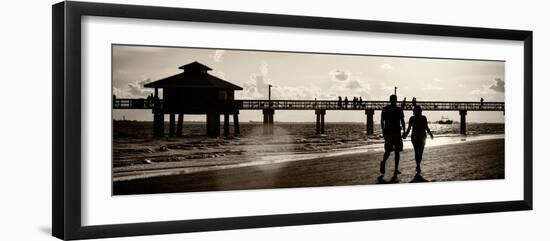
392,121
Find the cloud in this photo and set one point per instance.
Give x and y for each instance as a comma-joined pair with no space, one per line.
478,92
339,75
386,66
353,84
432,87
118,92
257,86
498,86
340,84
296,93
384,86
491,90
484,90
218,55
343,84
264,70
219,74
350,87
436,80
133,89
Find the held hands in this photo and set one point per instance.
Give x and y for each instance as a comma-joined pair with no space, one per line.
405,134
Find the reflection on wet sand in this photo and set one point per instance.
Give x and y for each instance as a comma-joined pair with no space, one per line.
470,160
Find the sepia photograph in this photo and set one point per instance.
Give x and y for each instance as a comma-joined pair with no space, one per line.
187,119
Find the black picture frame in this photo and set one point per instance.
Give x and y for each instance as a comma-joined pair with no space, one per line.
66,48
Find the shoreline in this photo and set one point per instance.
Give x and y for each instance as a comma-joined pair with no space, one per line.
255,122
469,160
292,157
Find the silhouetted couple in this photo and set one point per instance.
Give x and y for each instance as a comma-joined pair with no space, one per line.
392,122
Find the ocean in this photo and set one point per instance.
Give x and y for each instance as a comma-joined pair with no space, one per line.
136,154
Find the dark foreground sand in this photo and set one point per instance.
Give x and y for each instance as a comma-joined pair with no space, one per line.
475,160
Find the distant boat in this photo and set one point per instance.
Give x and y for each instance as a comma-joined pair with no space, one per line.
445,121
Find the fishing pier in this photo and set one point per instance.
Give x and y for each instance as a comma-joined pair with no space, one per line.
196,92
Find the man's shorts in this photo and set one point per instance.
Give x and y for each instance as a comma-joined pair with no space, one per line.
393,142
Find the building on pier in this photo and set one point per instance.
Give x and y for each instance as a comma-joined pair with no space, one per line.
194,91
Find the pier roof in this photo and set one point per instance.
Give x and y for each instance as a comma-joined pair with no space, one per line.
194,76
195,66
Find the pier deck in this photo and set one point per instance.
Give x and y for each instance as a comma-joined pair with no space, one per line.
332,105
320,107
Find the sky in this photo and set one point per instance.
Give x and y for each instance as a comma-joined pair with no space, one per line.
298,76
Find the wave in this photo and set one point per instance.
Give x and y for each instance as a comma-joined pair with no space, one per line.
253,157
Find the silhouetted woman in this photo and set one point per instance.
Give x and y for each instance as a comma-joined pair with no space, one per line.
419,125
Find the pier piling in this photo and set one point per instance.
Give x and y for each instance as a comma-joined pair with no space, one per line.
179,128
317,124
320,123
236,124
268,120
370,123
463,121
323,123
226,124
172,125
213,124
158,124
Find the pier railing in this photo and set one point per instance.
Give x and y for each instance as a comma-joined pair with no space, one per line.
127,103
366,105
268,108
135,103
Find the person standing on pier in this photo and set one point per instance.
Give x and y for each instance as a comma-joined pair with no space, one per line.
419,125
392,121
149,100
156,102
414,101
346,102
339,101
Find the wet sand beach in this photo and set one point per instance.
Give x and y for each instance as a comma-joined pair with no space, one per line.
472,160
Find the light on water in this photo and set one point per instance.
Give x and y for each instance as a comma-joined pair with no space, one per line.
136,154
